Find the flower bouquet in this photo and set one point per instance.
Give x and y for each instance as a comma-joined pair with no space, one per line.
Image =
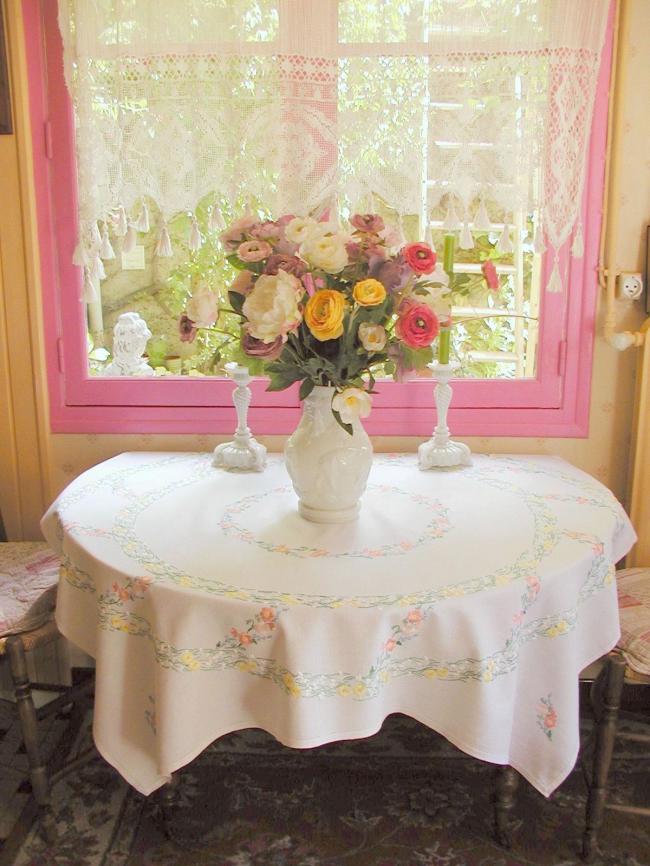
326,307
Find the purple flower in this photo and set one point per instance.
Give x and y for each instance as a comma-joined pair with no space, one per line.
186,329
283,262
393,275
255,348
367,222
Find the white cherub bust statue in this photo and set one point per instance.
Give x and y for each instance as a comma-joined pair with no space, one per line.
130,336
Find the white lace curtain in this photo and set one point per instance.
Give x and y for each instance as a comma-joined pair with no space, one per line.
482,109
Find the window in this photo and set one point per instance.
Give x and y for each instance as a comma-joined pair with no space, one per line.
526,355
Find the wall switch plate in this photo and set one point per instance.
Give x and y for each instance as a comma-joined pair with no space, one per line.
133,261
630,286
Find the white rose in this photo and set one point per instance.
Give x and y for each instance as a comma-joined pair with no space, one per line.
300,228
202,308
351,404
372,337
272,306
325,251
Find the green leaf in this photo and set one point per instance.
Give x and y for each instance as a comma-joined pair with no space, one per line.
237,263
236,302
340,422
305,389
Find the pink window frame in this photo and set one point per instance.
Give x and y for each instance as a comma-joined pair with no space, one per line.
555,403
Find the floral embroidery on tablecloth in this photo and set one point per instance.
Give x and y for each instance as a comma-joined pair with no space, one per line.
546,716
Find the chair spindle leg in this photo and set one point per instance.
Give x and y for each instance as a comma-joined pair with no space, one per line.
603,748
505,786
29,724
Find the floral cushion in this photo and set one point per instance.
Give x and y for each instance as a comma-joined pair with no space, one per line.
634,604
29,574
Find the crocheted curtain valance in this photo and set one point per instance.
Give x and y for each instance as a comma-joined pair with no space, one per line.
482,109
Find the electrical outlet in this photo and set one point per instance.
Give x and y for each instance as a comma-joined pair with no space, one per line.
630,286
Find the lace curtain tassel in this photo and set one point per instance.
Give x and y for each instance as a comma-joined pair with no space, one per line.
578,245
122,225
95,237
164,245
466,241
452,222
106,250
195,241
130,238
90,294
96,269
79,256
216,223
482,219
554,284
142,222
504,244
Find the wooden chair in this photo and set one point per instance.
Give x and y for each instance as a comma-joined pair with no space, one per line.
627,666
29,573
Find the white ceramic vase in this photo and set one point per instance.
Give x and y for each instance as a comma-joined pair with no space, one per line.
328,467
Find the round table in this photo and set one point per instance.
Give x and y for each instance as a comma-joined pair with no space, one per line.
467,599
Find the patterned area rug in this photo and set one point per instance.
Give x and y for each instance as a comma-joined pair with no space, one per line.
401,798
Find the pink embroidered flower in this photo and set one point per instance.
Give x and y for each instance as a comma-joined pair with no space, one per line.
550,719
491,276
244,639
254,251
414,616
390,645
367,222
417,325
267,614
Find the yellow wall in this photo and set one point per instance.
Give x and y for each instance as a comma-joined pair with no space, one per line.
605,453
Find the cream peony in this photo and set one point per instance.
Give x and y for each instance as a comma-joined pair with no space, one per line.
325,251
203,307
272,306
301,228
372,337
351,404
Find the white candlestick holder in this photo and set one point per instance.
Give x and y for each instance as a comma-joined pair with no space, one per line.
440,451
244,453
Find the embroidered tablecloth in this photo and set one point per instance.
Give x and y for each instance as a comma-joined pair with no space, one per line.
467,599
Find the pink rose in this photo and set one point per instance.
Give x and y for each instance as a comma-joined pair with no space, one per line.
491,276
265,231
186,329
367,222
417,325
254,251
289,264
255,348
243,283
420,258
236,232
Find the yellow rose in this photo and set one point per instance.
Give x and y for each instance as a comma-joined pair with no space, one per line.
369,293
324,314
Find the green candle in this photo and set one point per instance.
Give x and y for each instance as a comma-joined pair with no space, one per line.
448,254
443,346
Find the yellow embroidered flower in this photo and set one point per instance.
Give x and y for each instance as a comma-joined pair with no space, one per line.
436,673
344,690
292,687
369,293
360,689
116,622
384,676
188,660
324,314
247,666
502,579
